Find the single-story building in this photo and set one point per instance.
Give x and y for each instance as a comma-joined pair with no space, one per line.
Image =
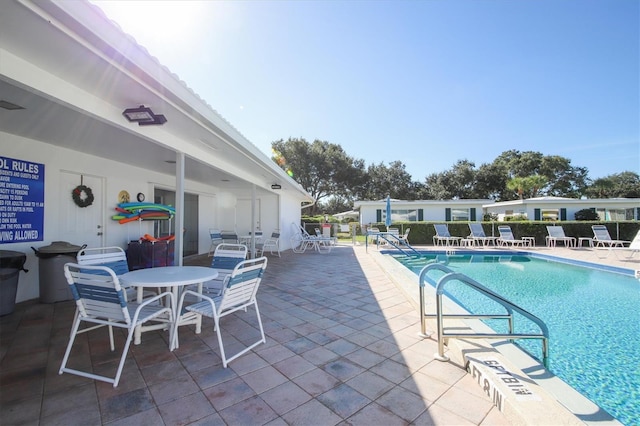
541,208
420,210
559,208
90,120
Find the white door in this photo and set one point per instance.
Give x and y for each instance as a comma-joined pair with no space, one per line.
81,225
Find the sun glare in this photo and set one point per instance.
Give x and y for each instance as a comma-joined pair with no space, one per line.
156,22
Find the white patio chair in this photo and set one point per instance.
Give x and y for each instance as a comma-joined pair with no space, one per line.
114,258
225,258
602,238
272,244
443,236
102,301
229,236
216,238
556,233
238,294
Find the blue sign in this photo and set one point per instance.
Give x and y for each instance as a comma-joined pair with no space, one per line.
21,201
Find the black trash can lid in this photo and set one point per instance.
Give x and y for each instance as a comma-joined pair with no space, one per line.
60,247
12,259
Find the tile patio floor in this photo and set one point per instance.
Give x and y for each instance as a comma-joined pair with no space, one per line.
342,348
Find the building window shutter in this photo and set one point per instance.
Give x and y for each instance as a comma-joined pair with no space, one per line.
447,214
472,214
563,214
637,213
421,215
536,214
379,215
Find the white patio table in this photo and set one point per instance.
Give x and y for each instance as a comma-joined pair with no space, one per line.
173,278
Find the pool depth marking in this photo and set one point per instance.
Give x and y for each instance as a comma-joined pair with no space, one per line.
493,377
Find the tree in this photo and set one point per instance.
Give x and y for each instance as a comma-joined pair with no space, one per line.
491,181
323,169
536,183
623,185
563,180
335,205
520,185
457,183
528,186
382,181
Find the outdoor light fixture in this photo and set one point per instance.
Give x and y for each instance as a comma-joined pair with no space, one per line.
143,116
276,186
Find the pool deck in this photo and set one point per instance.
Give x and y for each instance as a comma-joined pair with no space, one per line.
342,348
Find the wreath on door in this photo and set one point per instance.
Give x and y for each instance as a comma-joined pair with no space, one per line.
82,196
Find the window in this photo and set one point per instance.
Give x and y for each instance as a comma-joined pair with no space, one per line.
550,214
460,215
615,214
401,215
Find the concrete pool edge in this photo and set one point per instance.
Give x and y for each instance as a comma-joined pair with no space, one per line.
559,403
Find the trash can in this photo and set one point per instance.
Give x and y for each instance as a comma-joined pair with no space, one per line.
326,230
51,260
11,263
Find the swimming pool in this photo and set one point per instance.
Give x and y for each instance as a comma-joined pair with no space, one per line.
593,316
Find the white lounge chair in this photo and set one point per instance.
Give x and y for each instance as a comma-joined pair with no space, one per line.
443,236
506,237
627,252
556,234
404,238
301,240
478,235
601,237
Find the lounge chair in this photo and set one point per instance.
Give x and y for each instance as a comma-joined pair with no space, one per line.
627,252
556,233
507,239
404,238
601,237
478,235
443,237
301,240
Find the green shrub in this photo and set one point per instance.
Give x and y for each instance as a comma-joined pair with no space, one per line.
586,214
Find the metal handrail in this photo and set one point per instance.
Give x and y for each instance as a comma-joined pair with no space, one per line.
389,238
508,305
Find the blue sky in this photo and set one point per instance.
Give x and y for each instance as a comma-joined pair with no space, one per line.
424,82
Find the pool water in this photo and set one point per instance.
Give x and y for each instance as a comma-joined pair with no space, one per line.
593,318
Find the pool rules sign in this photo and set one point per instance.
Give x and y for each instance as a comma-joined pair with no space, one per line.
21,201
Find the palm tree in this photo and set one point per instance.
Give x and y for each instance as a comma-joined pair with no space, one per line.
536,182
519,185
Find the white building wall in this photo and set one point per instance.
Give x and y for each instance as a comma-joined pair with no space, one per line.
433,211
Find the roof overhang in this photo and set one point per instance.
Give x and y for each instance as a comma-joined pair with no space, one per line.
74,87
